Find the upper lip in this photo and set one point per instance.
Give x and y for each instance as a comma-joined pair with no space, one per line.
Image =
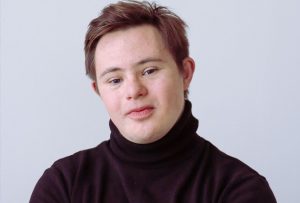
139,109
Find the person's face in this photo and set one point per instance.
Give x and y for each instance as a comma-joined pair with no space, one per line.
139,82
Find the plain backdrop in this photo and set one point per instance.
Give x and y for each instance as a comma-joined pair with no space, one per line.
245,91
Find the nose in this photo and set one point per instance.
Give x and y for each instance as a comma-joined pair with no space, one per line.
135,89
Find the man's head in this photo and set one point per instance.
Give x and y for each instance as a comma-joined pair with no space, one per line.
123,15
135,71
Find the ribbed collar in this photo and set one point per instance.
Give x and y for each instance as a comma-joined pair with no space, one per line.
176,145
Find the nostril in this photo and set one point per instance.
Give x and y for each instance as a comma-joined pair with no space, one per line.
135,90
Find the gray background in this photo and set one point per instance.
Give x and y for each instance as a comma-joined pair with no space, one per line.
245,90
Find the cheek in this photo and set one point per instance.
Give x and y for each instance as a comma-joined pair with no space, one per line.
110,100
167,92
172,86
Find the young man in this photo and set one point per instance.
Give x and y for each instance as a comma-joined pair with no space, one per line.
137,56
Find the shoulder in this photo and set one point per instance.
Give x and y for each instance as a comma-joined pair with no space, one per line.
80,158
57,182
219,160
237,182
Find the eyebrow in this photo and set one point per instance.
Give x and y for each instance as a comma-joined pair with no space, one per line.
141,62
109,70
147,60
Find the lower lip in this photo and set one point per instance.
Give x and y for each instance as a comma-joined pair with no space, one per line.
140,115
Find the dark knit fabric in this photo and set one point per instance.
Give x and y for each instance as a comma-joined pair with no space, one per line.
181,167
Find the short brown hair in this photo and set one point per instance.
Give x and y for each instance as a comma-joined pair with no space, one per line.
126,14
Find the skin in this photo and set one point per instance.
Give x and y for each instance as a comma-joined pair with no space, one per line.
140,83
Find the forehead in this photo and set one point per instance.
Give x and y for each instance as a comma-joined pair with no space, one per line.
129,46
147,33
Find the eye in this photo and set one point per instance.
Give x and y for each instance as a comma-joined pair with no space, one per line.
149,71
114,81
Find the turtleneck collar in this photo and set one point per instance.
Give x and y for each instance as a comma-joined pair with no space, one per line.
174,146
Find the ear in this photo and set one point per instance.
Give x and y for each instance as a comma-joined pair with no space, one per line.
188,71
95,87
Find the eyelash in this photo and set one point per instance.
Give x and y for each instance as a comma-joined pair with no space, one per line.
114,81
149,71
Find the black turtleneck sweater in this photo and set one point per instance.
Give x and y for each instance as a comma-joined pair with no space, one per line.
181,167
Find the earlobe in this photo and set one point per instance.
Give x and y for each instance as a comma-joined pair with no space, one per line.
188,71
95,87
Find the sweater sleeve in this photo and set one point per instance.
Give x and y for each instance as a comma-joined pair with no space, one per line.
251,189
52,187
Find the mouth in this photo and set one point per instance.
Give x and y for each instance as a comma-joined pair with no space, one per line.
140,113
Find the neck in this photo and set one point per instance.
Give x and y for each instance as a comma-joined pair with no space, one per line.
175,144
